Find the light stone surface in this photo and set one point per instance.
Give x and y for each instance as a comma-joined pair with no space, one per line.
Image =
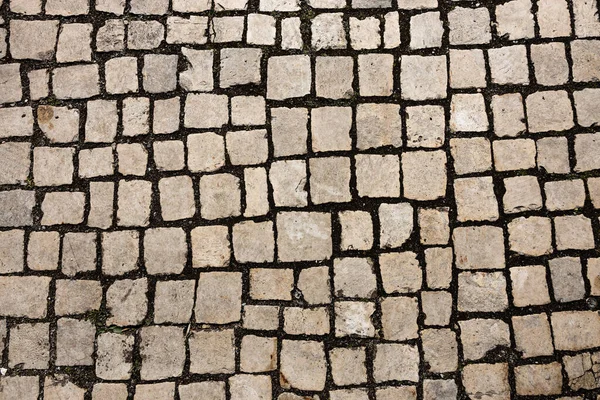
299,199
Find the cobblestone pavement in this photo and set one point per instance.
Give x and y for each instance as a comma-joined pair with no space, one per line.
299,199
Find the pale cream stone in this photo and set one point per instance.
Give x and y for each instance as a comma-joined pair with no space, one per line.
554,18
475,199
327,31
353,318
210,246
400,272
165,250
575,330
113,356
303,236
487,378
532,335
399,318
29,346
41,46
330,180
423,77
515,20
426,30
330,128
77,296
162,350
378,175
549,111
468,113
219,196
567,279
215,110
365,33
314,285
334,77
469,26
133,205
550,63
272,284
522,193
42,251
127,302
539,379
467,68
288,77
258,354
378,125
573,232
440,350
212,351
530,236
191,29
529,285
348,365
219,297
471,154
434,225
176,198
306,321
354,277
174,301
63,208
303,365
482,291
396,362
76,81
357,230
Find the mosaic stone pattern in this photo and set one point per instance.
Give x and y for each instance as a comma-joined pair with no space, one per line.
299,199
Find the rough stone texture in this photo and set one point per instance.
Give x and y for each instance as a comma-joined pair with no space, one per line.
303,236
303,365
299,199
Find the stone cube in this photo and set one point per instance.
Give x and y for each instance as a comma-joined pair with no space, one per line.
529,285
425,126
114,356
75,342
468,113
219,297
240,66
357,230
219,196
177,197
41,46
423,77
162,350
127,302
475,199
330,128
530,236
288,77
334,77
212,352
253,242
210,246
247,147
303,236
482,291
29,346
521,193
354,277
330,179
377,175
573,232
